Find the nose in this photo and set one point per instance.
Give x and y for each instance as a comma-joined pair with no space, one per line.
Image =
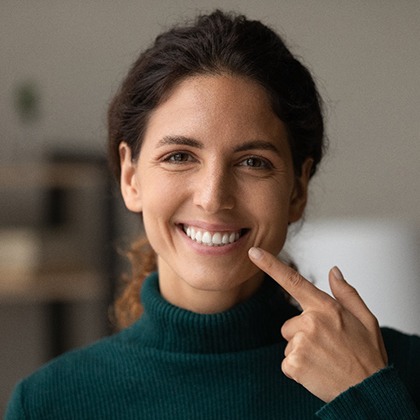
214,190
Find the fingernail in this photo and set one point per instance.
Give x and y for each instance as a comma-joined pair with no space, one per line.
337,273
255,253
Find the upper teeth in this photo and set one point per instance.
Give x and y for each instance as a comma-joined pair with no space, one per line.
211,239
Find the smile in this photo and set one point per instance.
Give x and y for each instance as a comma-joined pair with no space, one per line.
211,238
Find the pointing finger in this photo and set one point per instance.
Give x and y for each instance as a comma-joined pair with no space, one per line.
302,290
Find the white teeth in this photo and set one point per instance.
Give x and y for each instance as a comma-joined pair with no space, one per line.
206,239
198,236
215,239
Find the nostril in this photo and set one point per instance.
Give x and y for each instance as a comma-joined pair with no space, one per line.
214,191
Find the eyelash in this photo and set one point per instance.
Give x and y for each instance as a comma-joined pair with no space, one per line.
254,162
171,158
262,163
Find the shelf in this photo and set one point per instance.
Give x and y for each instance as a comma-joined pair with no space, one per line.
62,286
72,277
63,175
58,224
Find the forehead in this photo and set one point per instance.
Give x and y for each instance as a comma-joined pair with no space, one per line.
216,106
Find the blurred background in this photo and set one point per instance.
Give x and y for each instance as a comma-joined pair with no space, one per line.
61,219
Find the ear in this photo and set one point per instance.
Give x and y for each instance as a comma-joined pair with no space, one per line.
300,192
130,185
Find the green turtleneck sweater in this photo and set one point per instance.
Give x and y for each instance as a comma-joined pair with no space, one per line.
175,364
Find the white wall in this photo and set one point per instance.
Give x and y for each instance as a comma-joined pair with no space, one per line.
365,56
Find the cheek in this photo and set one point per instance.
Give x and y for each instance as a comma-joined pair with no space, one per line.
272,201
160,203
272,208
159,193
156,231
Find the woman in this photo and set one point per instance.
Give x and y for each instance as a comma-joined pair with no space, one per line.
214,136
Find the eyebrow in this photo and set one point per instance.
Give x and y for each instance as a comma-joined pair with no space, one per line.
180,140
188,141
257,144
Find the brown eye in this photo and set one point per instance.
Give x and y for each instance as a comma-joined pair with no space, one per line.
178,157
255,162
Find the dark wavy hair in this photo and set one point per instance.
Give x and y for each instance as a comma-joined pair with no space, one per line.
217,43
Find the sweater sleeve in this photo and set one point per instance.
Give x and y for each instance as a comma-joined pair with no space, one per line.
15,409
381,396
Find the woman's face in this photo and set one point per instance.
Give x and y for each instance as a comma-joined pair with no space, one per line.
214,177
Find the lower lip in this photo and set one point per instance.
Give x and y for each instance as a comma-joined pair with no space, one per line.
212,250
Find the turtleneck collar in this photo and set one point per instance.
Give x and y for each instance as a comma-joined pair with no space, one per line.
251,324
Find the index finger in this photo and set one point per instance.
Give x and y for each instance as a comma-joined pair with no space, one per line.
301,289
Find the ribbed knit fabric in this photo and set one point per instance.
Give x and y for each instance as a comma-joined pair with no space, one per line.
175,364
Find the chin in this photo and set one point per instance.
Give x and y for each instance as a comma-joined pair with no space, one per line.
219,279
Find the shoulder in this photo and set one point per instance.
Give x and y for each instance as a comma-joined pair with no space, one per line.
102,359
74,365
402,348
98,358
404,354
81,379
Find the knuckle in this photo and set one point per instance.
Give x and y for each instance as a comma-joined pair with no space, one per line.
287,329
352,291
333,307
294,279
287,368
309,321
285,332
269,263
373,323
292,366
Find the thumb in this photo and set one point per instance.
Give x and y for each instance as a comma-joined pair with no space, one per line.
348,297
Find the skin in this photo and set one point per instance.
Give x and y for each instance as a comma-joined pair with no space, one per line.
216,157
336,342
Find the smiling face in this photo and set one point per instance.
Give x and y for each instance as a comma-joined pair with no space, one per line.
213,178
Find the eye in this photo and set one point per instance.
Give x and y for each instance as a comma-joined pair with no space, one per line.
178,157
256,162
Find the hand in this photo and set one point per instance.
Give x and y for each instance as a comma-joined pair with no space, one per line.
335,342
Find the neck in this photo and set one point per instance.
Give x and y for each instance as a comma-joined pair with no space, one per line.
209,296
250,324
